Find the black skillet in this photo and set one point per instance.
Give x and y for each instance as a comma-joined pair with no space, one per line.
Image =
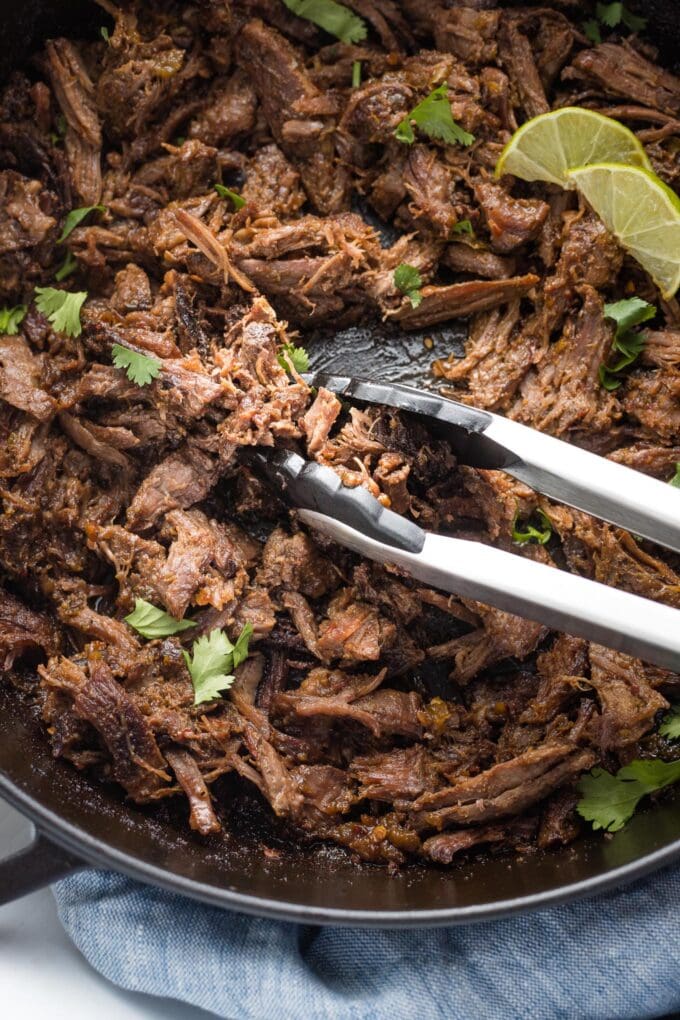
81,824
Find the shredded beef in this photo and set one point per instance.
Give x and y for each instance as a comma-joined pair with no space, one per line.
388,718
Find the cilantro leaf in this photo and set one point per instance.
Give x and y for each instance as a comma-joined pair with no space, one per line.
11,319
670,724
617,13
609,14
334,18
591,30
104,33
211,661
433,117
297,355
68,266
632,22
62,308
223,192
608,801
608,380
151,622
628,313
464,227
356,74
629,345
240,652
140,368
675,480
408,280
75,217
530,533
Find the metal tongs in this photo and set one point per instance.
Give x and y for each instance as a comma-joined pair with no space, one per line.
563,601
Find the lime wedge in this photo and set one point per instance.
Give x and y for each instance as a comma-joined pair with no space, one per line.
641,212
545,148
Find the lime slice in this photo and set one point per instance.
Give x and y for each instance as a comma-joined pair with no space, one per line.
545,148
641,212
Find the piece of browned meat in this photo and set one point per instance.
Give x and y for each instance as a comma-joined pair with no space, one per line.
564,391
504,789
439,304
619,70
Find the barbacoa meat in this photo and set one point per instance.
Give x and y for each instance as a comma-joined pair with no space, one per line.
393,720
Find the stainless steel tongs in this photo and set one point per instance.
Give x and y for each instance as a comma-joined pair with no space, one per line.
354,518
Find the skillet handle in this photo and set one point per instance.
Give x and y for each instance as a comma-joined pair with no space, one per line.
33,867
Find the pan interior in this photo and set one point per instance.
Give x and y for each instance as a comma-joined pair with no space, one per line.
316,883
320,881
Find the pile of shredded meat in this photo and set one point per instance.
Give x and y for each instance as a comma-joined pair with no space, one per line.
387,718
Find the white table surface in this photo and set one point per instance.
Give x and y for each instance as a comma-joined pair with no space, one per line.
41,971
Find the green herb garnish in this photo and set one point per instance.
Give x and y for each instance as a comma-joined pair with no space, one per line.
608,801
617,13
75,217
62,308
530,533
151,622
334,18
104,33
141,369
211,661
296,355
11,319
433,117
356,74
464,227
591,30
68,266
670,724
675,480
629,345
223,192
408,280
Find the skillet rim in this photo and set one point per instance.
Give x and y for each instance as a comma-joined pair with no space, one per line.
96,853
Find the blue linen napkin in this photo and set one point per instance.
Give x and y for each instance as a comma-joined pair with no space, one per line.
616,956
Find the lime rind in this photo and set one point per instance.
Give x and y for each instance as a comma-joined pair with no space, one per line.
547,146
641,211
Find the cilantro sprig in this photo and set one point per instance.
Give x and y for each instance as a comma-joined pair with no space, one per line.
611,15
670,724
140,368
433,117
408,280
68,266
464,227
62,308
609,801
75,217
356,74
296,355
334,18
212,659
11,319
151,622
675,480
531,533
627,344
224,192
617,13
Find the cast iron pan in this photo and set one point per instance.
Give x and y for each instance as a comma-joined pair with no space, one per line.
81,824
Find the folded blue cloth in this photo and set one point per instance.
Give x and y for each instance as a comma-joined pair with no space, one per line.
614,957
